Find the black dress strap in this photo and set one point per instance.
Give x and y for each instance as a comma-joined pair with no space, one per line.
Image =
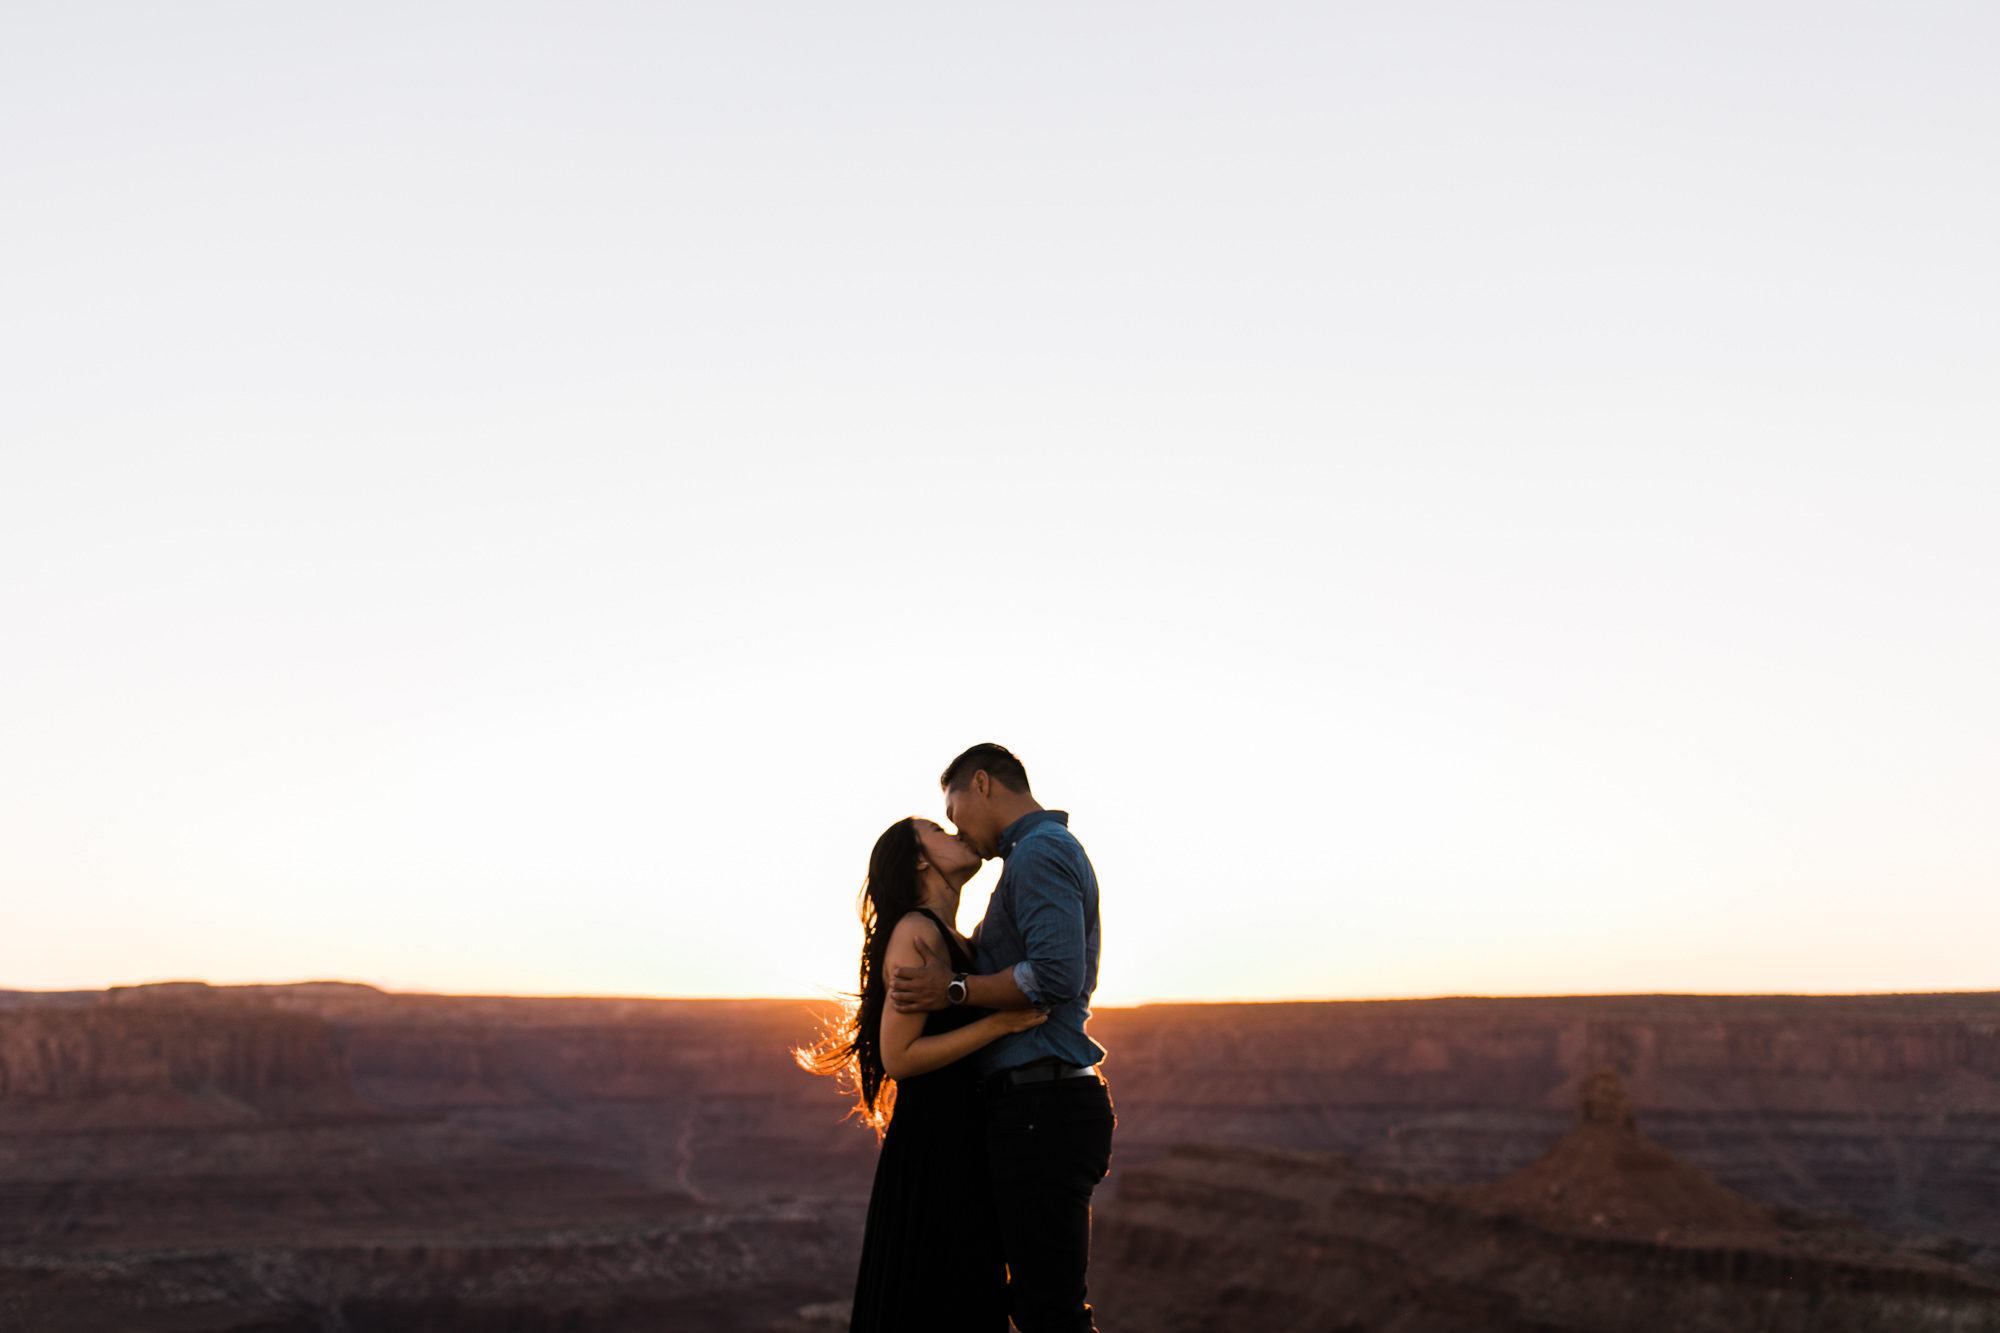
960,960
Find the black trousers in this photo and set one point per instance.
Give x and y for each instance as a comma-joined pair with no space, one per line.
1048,1145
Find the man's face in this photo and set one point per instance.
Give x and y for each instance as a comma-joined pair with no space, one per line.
967,807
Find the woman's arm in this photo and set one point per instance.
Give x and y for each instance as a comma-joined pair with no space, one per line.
906,1052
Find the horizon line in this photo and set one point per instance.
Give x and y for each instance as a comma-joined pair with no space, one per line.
1135,1004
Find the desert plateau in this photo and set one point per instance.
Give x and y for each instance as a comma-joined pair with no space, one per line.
329,1157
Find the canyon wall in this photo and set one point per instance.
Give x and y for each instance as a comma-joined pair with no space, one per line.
1606,1232
1887,1107
165,1064
312,1119
161,1116
1284,1241
1883,1106
698,1096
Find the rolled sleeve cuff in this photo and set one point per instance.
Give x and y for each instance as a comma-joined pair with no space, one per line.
1024,977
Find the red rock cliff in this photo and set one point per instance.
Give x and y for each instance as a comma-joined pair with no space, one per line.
167,1063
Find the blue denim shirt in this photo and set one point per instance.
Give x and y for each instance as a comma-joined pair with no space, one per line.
1042,923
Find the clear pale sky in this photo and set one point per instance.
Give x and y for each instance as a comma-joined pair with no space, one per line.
1452,497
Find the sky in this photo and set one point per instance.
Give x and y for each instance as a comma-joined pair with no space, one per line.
1453,498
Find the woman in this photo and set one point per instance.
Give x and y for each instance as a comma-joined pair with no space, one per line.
930,1259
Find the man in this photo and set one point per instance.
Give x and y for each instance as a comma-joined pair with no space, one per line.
1048,1112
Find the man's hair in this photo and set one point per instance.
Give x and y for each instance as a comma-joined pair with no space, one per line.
996,761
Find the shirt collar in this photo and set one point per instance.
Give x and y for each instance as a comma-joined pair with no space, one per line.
1015,831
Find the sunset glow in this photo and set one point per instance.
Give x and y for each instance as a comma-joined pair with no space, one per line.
516,500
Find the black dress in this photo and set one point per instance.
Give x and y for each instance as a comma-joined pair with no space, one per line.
931,1260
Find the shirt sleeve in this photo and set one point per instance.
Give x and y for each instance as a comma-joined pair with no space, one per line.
1048,908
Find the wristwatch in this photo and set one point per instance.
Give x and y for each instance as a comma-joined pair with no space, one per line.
955,992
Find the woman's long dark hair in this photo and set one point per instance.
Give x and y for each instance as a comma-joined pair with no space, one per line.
852,1050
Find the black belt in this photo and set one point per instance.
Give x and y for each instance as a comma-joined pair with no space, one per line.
1042,1071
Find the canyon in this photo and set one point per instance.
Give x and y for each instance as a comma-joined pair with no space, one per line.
1606,1231
329,1156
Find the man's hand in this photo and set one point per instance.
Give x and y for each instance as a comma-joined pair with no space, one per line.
918,990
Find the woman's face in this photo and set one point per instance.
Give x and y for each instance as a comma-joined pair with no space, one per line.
947,853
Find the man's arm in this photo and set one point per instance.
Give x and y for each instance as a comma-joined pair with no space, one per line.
917,990
1049,909
906,1051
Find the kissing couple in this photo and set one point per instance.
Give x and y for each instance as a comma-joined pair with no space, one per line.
971,1060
